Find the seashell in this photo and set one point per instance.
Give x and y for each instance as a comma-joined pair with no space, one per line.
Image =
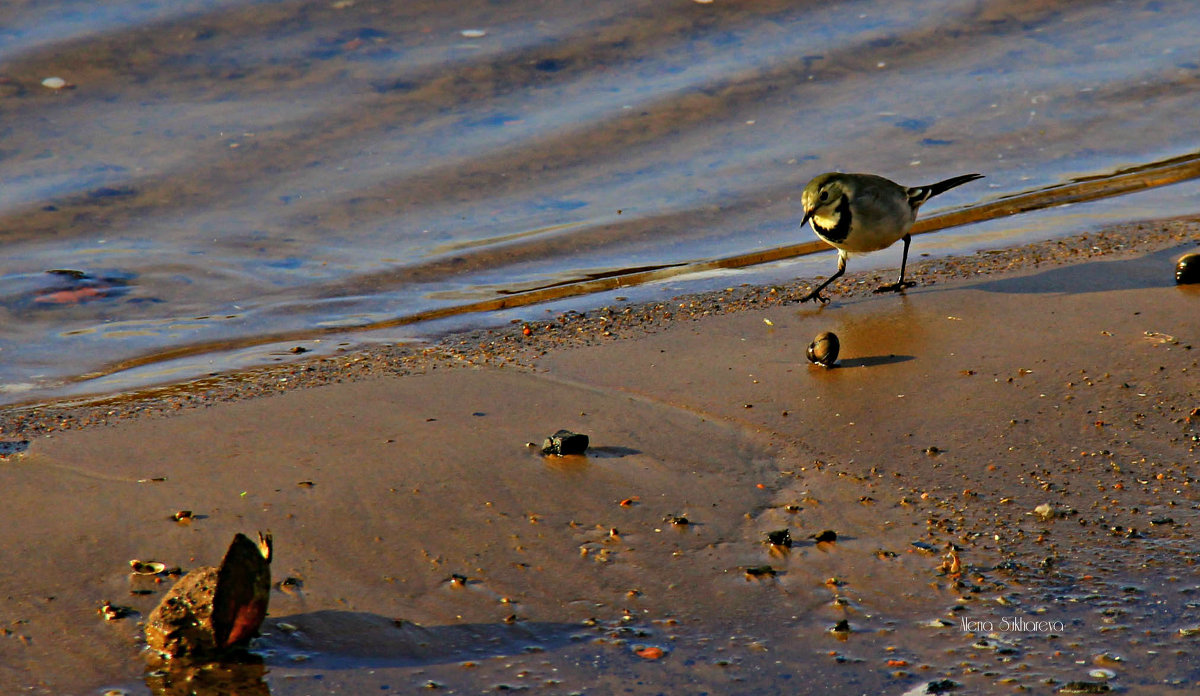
824,349
146,567
1187,270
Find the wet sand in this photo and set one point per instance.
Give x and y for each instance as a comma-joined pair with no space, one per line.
1063,374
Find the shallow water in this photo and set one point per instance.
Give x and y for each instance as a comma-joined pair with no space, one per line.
230,179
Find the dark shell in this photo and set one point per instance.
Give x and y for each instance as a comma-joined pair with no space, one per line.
1187,271
824,349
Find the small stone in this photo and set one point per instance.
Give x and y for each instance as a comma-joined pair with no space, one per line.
763,571
938,686
54,83
826,536
565,442
1084,687
780,537
1187,271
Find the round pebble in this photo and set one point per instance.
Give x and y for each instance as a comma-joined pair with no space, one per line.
824,349
54,82
1187,271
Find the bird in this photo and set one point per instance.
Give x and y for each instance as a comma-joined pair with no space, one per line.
857,213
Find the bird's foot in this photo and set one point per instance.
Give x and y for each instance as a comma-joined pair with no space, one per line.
895,287
815,295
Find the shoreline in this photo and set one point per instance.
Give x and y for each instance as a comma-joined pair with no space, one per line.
504,346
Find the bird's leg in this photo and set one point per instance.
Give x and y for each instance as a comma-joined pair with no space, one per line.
901,283
816,294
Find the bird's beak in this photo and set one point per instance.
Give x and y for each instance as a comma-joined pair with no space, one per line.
807,215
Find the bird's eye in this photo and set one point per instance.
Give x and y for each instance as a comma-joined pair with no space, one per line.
824,196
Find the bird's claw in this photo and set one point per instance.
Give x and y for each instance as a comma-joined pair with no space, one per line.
815,295
895,287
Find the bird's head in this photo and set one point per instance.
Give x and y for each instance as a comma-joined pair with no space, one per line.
821,196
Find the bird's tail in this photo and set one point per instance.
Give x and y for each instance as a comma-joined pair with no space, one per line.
919,194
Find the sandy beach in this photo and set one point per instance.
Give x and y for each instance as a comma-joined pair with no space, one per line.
1035,410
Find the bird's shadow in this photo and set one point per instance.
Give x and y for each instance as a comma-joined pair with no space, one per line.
1154,270
11,447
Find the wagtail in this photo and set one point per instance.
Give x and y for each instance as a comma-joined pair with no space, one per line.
862,212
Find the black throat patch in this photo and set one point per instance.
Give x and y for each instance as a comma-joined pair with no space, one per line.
841,229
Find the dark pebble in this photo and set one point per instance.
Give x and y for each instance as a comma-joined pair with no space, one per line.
1084,687
780,537
825,536
824,349
1187,271
565,442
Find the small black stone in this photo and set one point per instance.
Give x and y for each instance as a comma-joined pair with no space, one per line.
1187,271
1084,687
565,442
780,537
941,686
827,535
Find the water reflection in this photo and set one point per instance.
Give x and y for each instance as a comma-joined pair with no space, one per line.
243,677
280,171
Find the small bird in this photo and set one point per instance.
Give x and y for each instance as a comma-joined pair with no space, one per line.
863,212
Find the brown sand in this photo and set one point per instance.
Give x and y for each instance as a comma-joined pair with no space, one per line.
958,408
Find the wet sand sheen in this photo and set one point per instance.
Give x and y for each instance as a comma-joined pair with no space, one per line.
959,408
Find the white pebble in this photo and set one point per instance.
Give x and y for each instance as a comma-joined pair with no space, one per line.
474,33
54,82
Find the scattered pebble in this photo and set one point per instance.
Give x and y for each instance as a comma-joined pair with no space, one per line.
54,83
649,653
112,612
763,571
474,33
825,537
